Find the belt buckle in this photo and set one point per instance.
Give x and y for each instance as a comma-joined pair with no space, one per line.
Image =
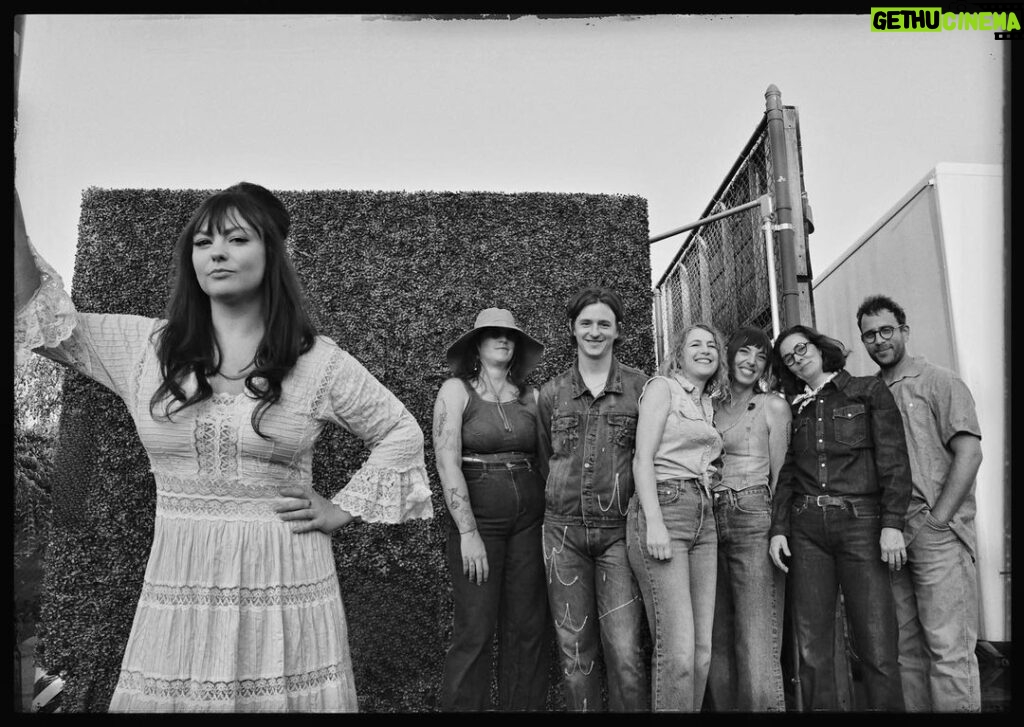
818,500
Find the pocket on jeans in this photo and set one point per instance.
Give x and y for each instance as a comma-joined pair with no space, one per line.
667,493
866,510
473,475
755,503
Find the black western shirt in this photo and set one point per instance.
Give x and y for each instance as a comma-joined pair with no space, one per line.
847,441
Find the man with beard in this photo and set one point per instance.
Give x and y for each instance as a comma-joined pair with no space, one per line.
936,593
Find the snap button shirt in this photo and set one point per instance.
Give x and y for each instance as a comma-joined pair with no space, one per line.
848,441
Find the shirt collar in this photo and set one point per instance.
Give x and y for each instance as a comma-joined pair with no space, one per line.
613,384
688,386
913,367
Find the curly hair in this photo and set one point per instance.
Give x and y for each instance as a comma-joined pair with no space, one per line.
718,385
874,304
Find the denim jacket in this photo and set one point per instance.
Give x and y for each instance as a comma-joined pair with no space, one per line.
847,441
585,446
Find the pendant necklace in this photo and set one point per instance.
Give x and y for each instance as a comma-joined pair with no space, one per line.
501,411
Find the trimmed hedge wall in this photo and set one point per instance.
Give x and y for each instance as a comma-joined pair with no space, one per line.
393,277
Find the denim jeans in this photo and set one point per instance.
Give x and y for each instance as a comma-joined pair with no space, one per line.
746,645
832,547
937,606
596,608
679,593
508,503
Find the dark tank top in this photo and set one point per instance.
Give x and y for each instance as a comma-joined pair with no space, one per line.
483,431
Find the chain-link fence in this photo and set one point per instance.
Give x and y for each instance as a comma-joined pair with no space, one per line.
720,275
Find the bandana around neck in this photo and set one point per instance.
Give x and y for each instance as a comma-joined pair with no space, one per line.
805,398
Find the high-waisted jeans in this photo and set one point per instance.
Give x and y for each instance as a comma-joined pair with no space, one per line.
508,502
746,646
679,593
837,546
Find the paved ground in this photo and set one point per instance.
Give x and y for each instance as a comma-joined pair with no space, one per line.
995,677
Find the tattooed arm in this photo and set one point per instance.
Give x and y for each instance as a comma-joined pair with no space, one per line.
448,408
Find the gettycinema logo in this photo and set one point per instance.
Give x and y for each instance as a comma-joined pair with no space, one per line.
1001,19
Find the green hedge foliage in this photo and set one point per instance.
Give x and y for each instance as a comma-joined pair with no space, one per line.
393,277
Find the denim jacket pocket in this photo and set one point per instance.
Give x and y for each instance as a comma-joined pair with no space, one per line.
851,425
623,429
564,432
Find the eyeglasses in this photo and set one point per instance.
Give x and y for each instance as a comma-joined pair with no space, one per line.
799,349
885,332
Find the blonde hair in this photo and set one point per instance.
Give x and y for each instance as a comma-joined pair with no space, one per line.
718,385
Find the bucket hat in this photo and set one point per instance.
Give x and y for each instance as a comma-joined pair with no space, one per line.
530,348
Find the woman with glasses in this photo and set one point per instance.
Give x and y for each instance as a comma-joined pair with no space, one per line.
838,515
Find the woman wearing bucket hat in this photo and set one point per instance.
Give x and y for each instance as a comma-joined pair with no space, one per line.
485,420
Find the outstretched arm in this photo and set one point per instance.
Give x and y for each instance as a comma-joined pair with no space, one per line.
26,274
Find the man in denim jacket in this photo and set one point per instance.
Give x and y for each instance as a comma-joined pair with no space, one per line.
937,593
587,427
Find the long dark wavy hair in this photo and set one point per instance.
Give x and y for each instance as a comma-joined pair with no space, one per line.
833,356
186,341
467,366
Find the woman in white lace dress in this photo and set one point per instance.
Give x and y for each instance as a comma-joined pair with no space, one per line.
240,608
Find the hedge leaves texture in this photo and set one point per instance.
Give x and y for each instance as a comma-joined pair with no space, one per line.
392,277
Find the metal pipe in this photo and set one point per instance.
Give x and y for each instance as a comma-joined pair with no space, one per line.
783,206
773,290
705,220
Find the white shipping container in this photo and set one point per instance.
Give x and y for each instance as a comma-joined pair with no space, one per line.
942,253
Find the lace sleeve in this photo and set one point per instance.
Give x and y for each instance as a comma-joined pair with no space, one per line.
48,318
392,485
106,348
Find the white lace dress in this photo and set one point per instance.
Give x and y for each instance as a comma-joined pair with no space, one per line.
237,613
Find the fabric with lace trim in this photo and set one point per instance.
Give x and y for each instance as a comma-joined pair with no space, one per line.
237,613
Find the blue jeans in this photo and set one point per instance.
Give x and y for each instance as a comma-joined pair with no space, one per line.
746,645
508,503
837,546
596,608
937,605
679,593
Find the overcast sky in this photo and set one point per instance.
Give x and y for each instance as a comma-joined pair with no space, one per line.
655,106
